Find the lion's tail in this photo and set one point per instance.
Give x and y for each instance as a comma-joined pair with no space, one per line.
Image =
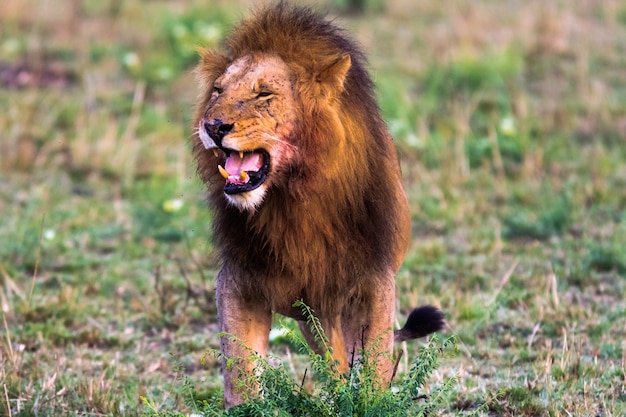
422,321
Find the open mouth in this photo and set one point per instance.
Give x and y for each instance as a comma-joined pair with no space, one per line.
244,171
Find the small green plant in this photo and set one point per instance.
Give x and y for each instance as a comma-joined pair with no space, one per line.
605,258
334,394
551,218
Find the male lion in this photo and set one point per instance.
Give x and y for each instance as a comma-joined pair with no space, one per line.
305,187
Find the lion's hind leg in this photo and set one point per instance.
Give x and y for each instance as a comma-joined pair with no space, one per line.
332,331
368,326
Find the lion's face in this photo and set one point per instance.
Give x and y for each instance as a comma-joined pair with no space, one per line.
248,125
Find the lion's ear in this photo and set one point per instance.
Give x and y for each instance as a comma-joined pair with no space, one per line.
335,74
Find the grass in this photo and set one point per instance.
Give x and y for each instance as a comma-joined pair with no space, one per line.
331,394
509,120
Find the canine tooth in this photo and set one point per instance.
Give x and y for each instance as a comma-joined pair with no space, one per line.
215,152
240,154
222,171
243,176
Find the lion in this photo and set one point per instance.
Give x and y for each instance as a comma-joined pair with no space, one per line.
305,188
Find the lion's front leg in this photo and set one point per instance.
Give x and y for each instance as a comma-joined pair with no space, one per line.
247,322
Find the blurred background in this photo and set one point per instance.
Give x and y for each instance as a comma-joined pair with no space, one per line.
510,123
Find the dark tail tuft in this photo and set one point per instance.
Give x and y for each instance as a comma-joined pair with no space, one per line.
422,321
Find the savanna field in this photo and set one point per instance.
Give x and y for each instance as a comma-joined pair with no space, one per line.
510,123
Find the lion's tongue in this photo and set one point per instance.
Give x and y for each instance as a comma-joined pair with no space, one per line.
235,164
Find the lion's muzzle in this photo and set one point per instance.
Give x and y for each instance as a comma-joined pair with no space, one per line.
217,129
243,170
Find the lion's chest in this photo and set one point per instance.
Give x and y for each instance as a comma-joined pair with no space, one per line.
324,282
295,250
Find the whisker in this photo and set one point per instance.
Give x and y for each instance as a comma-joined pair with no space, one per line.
275,139
267,136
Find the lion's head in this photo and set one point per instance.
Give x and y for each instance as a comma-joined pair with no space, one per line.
270,110
249,124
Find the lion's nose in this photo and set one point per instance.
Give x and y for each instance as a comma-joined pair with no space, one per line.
217,130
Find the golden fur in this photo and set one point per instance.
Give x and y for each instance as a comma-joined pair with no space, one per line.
322,215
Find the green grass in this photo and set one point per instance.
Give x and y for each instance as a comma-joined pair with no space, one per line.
329,393
509,120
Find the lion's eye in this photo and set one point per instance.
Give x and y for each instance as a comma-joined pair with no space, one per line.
217,90
263,94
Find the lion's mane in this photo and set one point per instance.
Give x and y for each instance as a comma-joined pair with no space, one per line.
332,227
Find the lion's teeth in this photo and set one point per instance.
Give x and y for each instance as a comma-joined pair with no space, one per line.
240,154
222,171
243,176
215,152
